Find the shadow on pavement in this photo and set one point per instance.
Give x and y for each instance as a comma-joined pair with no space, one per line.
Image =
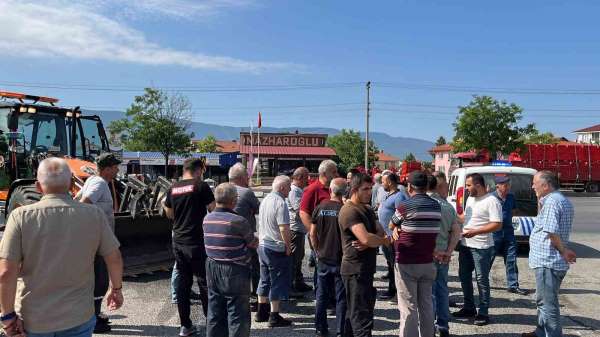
149,277
149,330
584,251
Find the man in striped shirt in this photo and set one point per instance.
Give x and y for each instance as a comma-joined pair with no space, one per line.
417,223
227,239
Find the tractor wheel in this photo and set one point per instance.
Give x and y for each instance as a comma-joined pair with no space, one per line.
23,195
593,187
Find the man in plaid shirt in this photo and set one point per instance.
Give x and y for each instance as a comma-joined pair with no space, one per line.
548,254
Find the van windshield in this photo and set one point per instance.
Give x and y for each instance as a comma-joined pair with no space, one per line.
520,186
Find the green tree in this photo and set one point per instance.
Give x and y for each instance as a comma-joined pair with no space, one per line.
489,124
440,141
350,149
540,138
410,157
156,121
208,144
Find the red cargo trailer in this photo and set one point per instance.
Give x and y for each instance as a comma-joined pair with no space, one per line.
577,165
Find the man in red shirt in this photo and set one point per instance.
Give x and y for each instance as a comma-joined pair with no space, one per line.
314,194
317,192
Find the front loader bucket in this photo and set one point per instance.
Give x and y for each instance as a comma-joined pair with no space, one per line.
145,242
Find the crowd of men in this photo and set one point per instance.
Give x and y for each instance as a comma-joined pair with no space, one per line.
235,260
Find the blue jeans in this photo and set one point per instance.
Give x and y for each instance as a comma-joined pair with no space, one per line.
328,279
506,246
480,260
547,283
275,275
441,305
228,299
84,330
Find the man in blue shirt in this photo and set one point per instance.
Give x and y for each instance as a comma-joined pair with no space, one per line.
549,256
504,239
386,209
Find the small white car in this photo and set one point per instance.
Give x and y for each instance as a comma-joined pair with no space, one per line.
521,180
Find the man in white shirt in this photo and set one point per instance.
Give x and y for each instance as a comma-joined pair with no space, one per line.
482,217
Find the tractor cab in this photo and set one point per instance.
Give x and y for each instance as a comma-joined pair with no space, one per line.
33,128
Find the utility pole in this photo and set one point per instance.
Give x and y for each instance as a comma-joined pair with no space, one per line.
367,131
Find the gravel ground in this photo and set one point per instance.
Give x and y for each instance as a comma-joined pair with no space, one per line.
149,312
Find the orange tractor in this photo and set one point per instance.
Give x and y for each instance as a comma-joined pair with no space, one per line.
33,128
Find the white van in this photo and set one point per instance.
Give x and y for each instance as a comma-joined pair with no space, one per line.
521,180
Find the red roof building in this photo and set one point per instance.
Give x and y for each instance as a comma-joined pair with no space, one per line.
386,161
283,152
590,135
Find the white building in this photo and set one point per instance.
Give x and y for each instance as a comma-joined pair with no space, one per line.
589,135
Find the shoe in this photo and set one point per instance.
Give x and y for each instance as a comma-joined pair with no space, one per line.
102,327
185,332
275,320
481,320
529,334
296,294
322,333
464,313
386,295
518,291
102,318
262,312
444,333
253,306
302,287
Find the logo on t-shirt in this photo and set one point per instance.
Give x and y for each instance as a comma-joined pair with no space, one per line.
327,212
182,190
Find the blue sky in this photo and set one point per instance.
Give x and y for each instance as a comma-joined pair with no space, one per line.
330,47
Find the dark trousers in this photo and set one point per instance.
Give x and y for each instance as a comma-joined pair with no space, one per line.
254,270
100,283
360,304
228,299
505,245
191,262
297,240
328,278
388,252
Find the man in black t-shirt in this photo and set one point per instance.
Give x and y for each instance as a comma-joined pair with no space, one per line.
325,239
186,204
361,236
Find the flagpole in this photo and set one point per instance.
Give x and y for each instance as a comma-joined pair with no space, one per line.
258,154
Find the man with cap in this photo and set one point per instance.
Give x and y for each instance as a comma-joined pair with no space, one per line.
96,191
416,226
504,239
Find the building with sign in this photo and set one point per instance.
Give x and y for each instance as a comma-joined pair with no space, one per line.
283,152
153,163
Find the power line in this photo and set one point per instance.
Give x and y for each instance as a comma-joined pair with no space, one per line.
498,90
119,88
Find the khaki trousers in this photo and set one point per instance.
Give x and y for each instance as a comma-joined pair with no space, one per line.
413,284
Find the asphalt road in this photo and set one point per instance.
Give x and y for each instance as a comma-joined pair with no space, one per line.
149,312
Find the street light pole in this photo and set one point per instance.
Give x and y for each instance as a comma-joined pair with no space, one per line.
367,130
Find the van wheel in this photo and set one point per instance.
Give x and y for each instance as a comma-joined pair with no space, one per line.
593,187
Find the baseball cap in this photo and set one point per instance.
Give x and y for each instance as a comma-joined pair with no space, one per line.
106,160
501,178
418,179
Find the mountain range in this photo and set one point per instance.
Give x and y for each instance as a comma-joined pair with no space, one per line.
396,146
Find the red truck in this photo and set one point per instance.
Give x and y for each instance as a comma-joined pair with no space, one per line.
577,165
